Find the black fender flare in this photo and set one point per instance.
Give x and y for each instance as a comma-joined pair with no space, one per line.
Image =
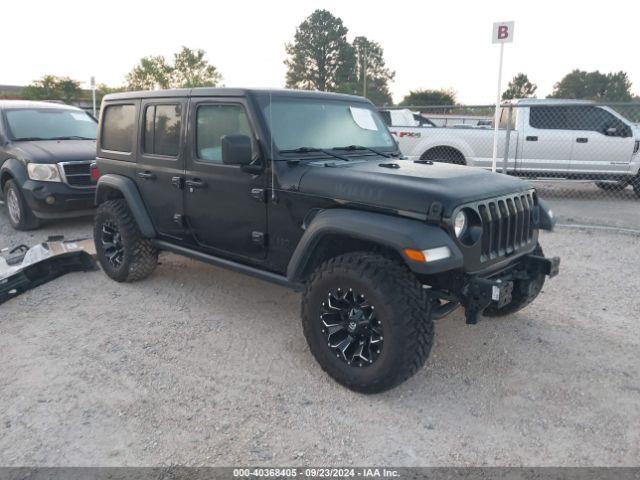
14,168
543,217
131,194
389,231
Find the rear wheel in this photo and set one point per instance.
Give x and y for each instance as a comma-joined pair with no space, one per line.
124,254
21,216
444,155
635,183
367,321
612,186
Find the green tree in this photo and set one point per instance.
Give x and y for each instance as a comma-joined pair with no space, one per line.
150,74
320,57
51,87
594,86
371,72
520,87
189,69
429,97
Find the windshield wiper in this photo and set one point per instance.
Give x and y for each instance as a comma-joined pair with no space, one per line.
351,148
313,150
28,139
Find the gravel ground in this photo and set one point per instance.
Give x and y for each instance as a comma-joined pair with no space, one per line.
201,366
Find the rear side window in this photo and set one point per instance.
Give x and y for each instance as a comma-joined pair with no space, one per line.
118,127
548,118
214,122
162,125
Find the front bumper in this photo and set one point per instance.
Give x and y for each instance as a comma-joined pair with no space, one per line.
58,200
479,292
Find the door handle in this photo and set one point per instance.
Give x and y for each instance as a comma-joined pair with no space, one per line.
147,175
177,182
582,140
195,183
532,138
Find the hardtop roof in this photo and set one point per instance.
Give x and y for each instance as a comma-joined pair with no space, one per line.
228,92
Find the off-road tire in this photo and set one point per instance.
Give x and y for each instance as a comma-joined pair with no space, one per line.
401,303
520,297
140,257
27,220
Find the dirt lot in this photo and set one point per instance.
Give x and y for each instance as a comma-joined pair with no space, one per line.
200,366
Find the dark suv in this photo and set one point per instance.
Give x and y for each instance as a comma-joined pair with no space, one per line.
309,190
46,150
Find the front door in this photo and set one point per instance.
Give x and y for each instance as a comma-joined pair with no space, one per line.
161,163
225,208
603,143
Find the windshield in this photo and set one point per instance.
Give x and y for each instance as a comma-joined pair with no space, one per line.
324,124
50,124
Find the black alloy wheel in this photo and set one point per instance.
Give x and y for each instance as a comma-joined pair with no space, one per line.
351,327
112,245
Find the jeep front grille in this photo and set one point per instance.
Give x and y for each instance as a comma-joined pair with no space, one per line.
77,174
507,225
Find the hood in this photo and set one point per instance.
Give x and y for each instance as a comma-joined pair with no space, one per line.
54,151
410,187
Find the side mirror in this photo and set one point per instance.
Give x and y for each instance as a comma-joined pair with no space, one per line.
611,131
236,150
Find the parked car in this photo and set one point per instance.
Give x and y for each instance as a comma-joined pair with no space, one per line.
46,150
548,139
307,190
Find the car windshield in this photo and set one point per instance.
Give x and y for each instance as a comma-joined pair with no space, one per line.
318,123
50,124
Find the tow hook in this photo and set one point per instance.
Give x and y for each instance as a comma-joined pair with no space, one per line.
480,292
548,266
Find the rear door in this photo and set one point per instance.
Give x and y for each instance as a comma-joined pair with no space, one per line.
603,142
161,163
547,143
224,205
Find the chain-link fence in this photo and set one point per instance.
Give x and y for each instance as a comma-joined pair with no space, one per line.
582,157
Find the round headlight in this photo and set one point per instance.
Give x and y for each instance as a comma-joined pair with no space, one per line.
460,223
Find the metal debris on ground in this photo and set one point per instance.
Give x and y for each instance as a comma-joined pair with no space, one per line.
23,268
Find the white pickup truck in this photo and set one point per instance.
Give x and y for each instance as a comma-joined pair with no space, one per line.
568,139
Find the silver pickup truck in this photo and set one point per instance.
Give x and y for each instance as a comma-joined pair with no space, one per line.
547,139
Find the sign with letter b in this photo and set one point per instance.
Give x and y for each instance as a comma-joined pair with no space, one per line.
502,32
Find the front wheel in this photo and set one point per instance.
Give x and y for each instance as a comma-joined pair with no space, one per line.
21,216
367,321
124,254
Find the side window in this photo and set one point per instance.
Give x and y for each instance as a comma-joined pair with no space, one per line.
214,122
118,123
597,120
548,118
162,125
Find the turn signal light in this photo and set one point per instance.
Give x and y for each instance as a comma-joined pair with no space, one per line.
415,255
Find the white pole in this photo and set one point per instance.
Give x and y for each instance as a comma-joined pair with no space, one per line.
496,119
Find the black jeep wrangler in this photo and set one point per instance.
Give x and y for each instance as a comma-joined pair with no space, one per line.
309,190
